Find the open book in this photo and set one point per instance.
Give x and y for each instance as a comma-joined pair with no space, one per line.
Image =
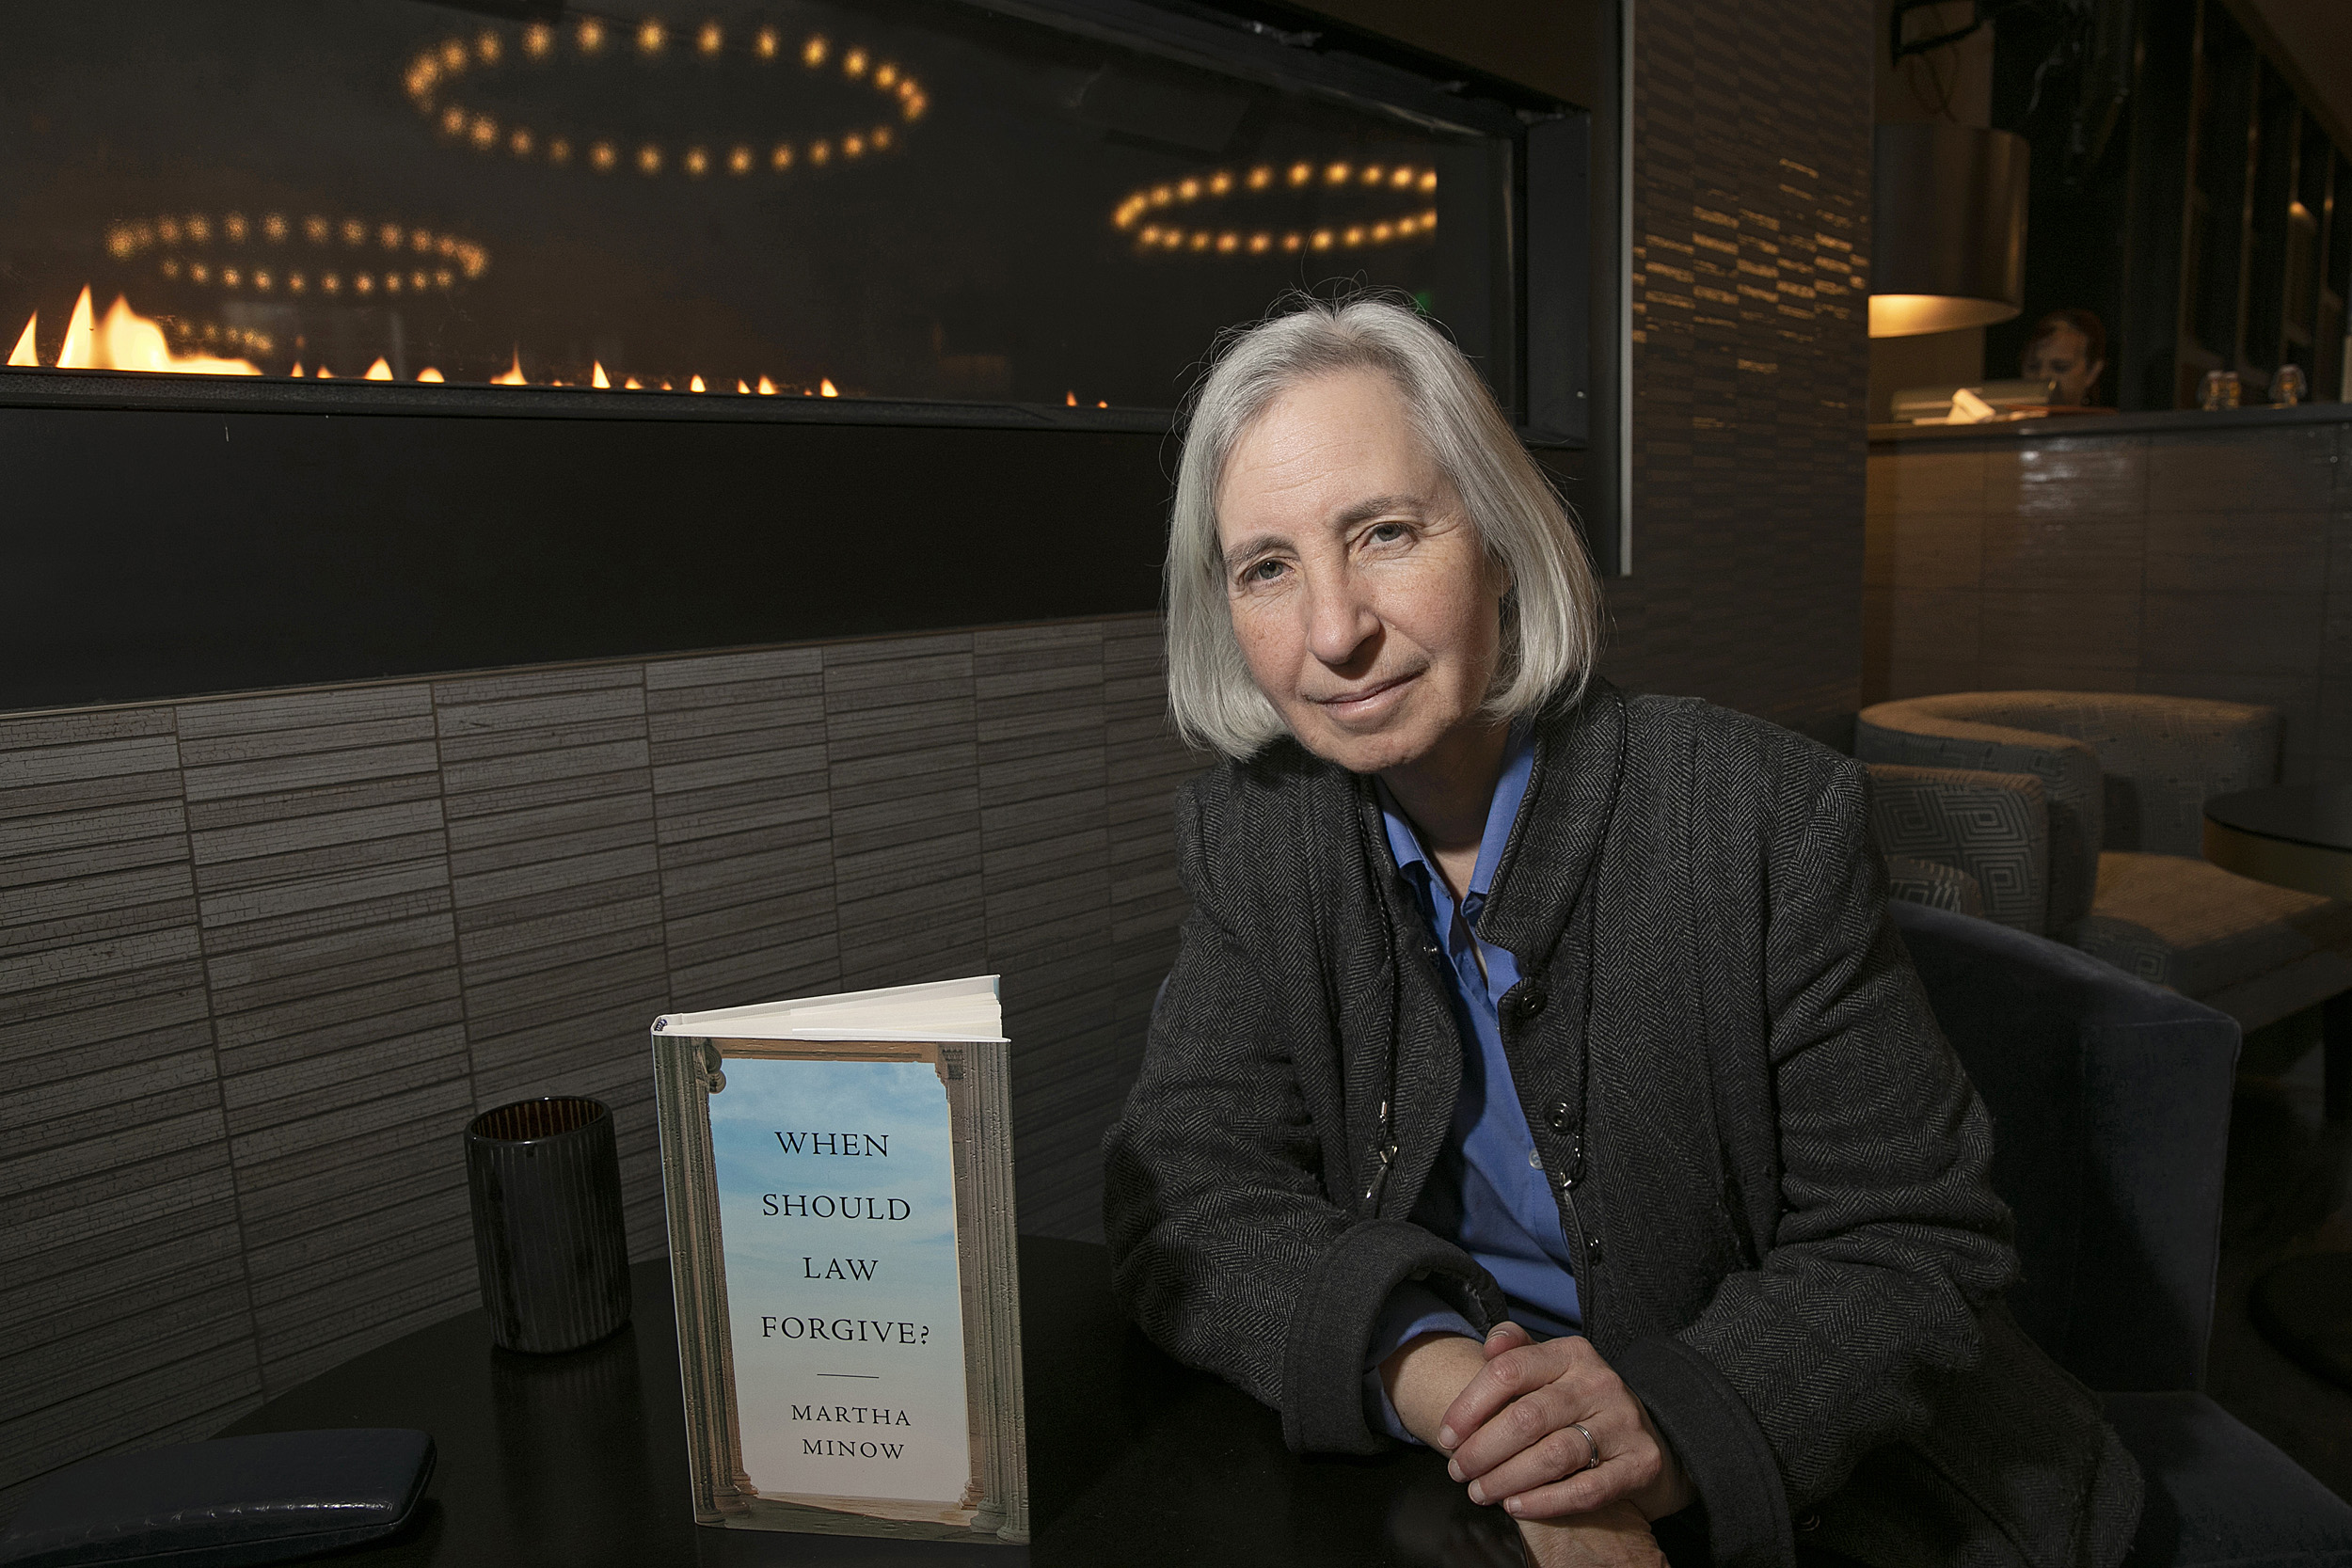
838,1174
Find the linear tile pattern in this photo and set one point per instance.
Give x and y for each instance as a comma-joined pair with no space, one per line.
322,875
125,1310
1750,368
262,957
2194,562
546,779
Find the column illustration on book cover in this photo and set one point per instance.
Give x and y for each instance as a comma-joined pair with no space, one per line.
839,1175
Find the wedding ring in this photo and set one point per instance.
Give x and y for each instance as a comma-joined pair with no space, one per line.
1591,1449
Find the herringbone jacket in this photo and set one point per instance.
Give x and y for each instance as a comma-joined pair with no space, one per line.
1769,1163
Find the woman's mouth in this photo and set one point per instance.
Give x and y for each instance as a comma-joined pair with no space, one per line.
1366,699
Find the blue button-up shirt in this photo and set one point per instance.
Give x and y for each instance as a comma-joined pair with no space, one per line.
1489,1191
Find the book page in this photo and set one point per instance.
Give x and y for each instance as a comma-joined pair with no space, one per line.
940,1010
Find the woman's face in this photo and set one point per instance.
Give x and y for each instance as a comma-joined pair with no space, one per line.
2064,356
1365,606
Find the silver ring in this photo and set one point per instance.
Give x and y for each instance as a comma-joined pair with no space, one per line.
1592,1453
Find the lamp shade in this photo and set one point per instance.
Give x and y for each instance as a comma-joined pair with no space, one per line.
1948,229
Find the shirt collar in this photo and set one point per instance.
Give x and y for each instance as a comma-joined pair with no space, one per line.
1518,759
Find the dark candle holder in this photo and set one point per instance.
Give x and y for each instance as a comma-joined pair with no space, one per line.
545,1178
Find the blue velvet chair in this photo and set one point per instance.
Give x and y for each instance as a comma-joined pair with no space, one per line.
2110,1101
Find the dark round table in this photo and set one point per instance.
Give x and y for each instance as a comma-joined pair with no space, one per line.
580,1459
2301,837
2293,835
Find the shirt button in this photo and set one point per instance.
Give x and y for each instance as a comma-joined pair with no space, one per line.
1563,1115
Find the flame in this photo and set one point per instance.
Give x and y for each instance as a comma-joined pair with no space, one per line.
79,351
126,340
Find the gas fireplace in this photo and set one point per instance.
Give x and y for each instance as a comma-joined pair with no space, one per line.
392,336
885,199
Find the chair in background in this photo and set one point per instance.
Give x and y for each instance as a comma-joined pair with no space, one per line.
2111,1104
2079,815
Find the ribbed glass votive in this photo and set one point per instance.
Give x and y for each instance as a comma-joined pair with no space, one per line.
545,1178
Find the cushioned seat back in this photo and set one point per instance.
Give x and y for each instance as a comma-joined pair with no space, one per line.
1992,826
2160,758
2110,1103
1936,732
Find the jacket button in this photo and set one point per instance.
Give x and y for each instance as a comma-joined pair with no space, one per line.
1563,1115
1592,1249
1434,951
1532,1001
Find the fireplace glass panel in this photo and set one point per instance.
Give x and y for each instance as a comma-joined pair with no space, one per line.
888,200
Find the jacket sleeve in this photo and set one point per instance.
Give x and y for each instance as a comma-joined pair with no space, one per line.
1229,1248
1890,1241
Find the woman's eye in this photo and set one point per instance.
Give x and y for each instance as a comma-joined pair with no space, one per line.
1261,571
1385,533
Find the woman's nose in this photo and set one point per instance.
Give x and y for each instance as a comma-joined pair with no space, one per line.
1339,620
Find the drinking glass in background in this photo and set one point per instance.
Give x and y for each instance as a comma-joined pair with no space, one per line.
2289,387
2220,389
545,1178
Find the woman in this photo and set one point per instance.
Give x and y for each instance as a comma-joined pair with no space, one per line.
1540,1078
2068,349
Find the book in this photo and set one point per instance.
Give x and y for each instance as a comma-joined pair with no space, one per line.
837,1172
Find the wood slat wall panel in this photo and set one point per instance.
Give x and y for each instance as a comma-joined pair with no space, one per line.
262,957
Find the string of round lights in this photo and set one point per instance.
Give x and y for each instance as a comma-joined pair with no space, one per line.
347,256
432,78
1175,215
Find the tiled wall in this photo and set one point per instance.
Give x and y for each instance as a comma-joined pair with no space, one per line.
2213,562
261,958
1751,359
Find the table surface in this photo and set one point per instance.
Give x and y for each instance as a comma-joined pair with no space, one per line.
2317,815
580,1458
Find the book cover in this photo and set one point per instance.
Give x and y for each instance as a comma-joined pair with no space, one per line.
838,1177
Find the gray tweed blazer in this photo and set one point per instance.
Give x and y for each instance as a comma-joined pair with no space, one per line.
1767,1160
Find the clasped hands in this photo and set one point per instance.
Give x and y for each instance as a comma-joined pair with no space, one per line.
1508,1413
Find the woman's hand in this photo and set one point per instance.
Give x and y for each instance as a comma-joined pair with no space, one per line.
1612,1536
1513,1434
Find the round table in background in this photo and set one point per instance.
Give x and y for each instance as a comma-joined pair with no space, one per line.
2301,837
2290,835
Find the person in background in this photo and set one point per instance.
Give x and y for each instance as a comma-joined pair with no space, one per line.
2070,348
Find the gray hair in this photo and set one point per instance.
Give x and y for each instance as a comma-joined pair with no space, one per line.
1552,611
